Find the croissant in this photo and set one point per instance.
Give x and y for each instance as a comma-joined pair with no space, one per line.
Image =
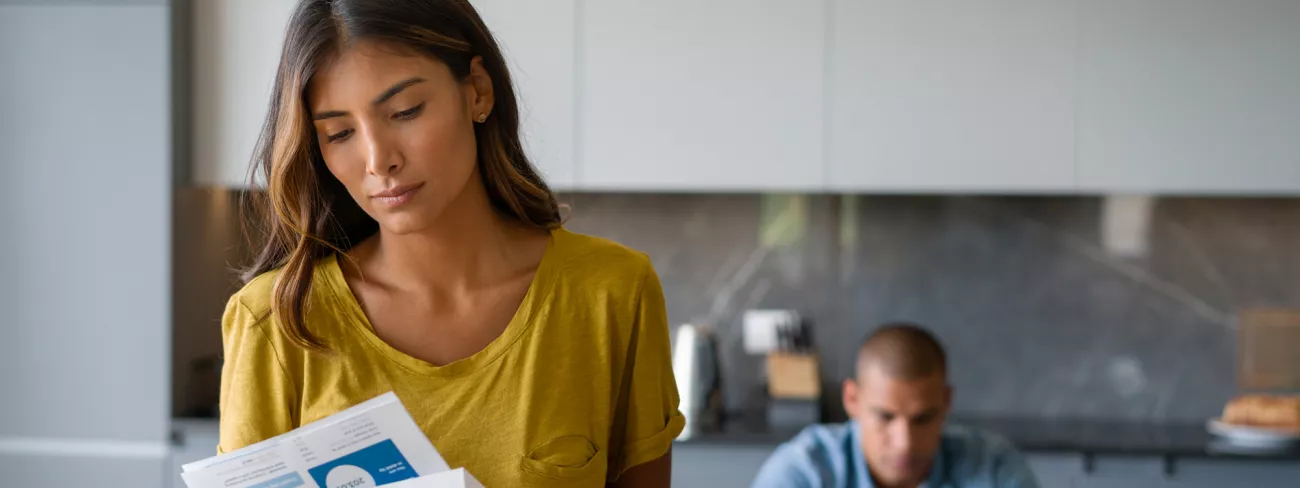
1264,411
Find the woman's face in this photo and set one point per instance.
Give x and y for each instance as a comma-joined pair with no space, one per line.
398,131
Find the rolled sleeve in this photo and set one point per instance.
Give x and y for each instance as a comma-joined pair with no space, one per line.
651,420
788,467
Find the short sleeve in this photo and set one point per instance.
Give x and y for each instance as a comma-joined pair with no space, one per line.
256,392
788,467
1012,471
647,410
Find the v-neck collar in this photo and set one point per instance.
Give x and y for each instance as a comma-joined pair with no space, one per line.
538,290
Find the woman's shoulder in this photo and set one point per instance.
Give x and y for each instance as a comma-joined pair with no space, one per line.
246,322
256,296
599,258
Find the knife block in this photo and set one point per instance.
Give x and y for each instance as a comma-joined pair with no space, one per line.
793,376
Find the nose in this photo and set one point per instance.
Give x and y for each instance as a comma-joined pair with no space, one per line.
382,156
901,433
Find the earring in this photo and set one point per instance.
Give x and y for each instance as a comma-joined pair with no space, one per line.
482,118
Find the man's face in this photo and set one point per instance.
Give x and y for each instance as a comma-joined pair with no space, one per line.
901,423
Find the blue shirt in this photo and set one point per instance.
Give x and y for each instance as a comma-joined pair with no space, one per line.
831,456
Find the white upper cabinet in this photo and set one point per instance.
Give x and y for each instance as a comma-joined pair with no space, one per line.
891,96
952,95
236,49
697,95
537,38
1190,96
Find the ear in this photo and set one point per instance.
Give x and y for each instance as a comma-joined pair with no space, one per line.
947,398
479,93
849,392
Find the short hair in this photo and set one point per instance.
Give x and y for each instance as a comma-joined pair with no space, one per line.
905,351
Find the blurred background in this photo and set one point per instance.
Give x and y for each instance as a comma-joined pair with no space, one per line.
1093,204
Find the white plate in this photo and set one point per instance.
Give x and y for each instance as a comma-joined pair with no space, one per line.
1250,436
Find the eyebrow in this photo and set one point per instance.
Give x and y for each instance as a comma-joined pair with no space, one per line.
383,97
927,413
931,413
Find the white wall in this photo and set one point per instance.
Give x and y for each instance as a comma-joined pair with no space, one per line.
85,212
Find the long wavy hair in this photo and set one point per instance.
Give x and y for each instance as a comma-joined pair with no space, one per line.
306,214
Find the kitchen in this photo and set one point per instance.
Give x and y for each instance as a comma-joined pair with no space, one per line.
1088,202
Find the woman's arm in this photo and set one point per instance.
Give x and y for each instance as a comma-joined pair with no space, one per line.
257,393
654,474
647,413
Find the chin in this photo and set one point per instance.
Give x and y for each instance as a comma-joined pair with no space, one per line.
404,222
428,208
900,476
415,215
896,477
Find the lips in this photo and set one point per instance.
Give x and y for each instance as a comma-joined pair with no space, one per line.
396,195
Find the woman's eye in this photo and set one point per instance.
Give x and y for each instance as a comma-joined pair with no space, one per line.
409,113
338,136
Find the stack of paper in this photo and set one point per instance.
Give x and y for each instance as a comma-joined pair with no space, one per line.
456,478
376,443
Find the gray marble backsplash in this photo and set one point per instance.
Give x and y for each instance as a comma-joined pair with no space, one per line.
1042,313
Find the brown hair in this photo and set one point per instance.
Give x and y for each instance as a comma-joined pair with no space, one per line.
905,351
306,213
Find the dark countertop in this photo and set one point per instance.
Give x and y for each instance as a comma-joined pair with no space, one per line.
1066,436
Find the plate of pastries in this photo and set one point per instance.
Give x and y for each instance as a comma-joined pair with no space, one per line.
1262,421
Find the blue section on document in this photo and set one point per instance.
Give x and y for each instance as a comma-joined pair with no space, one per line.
376,465
291,480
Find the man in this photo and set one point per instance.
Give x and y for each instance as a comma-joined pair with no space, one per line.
898,402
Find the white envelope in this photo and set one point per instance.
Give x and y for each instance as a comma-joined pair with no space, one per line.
456,478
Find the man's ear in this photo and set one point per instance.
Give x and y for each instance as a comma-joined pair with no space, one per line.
947,398
849,392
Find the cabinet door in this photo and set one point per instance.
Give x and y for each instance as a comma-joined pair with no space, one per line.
952,95
691,95
537,38
236,46
1194,96
1125,472
196,440
1056,470
719,466
84,203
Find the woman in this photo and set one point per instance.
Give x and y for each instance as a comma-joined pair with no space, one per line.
410,246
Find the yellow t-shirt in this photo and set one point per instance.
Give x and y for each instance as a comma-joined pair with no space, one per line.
578,388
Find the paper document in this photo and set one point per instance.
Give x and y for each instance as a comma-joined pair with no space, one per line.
375,443
456,478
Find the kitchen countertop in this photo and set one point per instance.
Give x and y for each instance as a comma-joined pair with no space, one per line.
1066,436
1088,438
